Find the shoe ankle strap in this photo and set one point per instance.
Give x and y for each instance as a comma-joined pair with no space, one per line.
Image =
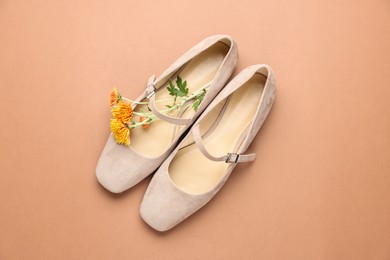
150,94
228,158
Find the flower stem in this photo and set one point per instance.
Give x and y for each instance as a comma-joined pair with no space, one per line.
146,102
178,102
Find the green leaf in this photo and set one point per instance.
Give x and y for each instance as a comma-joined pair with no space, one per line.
179,81
181,89
198,100
196,104
184,87
171,88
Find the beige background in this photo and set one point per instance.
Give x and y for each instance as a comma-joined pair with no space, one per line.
319,188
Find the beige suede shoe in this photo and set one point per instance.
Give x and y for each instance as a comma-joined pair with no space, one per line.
200,165
207,66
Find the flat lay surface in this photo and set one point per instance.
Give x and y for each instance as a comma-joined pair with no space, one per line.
318,189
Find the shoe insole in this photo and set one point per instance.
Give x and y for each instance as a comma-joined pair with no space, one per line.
190,170
199,72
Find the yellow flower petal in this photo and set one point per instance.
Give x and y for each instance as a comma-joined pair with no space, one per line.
120,131
122,112
115,97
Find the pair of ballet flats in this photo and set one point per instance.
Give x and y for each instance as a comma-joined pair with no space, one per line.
190,127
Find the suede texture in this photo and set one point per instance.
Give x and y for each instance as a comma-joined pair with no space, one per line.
120,167
165,205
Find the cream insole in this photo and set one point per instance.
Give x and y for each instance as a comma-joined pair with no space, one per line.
190,170
198,73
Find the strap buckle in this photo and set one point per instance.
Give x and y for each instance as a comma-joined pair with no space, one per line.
232,157
150,91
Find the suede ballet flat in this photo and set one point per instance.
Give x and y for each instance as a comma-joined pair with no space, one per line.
146,130
203,161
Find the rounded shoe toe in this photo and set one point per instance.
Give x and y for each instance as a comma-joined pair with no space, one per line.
119,173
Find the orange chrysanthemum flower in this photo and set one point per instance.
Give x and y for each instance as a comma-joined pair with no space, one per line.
122,112
120,131
115,97
142,119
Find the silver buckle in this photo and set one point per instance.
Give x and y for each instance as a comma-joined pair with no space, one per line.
150,91
229,157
